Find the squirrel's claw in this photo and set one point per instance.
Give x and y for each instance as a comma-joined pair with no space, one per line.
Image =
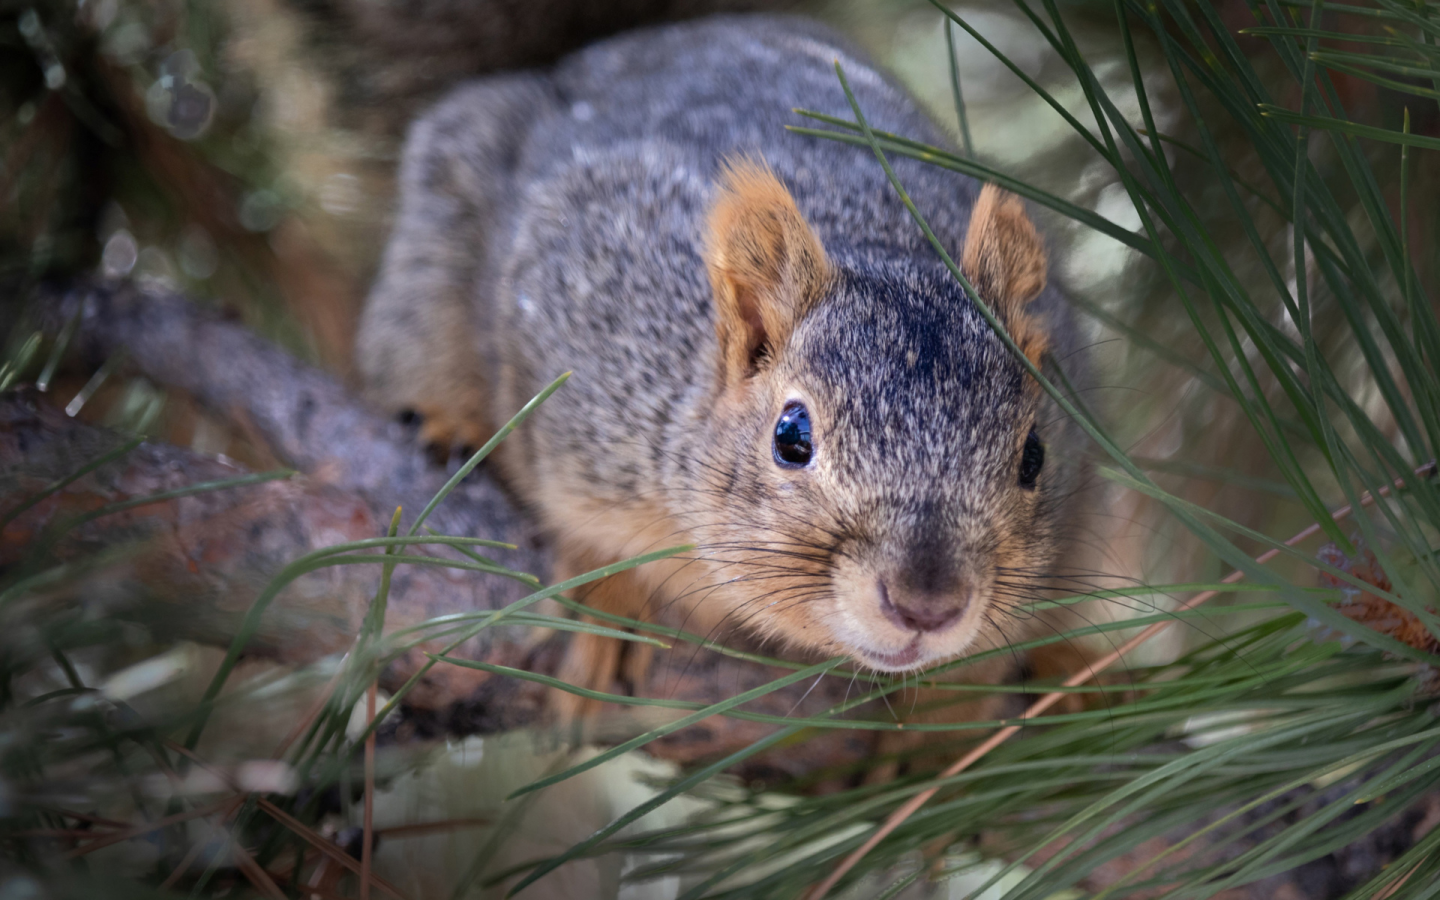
443,433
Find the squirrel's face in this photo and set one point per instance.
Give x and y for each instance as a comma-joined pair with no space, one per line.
890,472
885,473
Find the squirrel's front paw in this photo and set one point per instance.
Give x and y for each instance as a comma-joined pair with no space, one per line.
445,433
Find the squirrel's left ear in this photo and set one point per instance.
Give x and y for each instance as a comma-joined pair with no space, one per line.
1005,261
767,268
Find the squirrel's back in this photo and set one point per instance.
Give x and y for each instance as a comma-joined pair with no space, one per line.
599,263
714,89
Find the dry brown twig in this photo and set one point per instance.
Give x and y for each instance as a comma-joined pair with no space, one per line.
254,872
898,817
87,817
420,829
309,835
326,847
184,865
138,830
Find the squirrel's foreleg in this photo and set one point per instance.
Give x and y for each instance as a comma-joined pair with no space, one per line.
593,661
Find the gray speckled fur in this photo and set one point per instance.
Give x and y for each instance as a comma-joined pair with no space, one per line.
565,211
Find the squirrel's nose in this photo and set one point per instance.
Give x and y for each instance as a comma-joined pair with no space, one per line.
924,612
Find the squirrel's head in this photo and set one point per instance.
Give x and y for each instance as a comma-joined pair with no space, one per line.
883,474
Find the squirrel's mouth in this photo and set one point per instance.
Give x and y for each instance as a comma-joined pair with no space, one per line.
903,658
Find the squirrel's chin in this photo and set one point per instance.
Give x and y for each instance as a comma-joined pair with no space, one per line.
920,650
904,659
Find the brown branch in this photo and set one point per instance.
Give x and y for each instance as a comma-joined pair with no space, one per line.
197,563
192,566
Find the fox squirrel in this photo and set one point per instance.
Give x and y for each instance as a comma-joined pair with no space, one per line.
770,362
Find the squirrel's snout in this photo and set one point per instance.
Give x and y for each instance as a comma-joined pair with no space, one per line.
924,611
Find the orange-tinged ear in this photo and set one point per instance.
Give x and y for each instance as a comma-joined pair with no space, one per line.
1005,261
767,268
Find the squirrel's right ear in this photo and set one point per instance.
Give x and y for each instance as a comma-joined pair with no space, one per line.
767,268
1005,261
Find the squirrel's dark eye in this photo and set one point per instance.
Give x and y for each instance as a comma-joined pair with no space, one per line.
792,436
1032,458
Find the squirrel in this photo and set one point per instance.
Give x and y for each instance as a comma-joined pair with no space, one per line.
770,360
